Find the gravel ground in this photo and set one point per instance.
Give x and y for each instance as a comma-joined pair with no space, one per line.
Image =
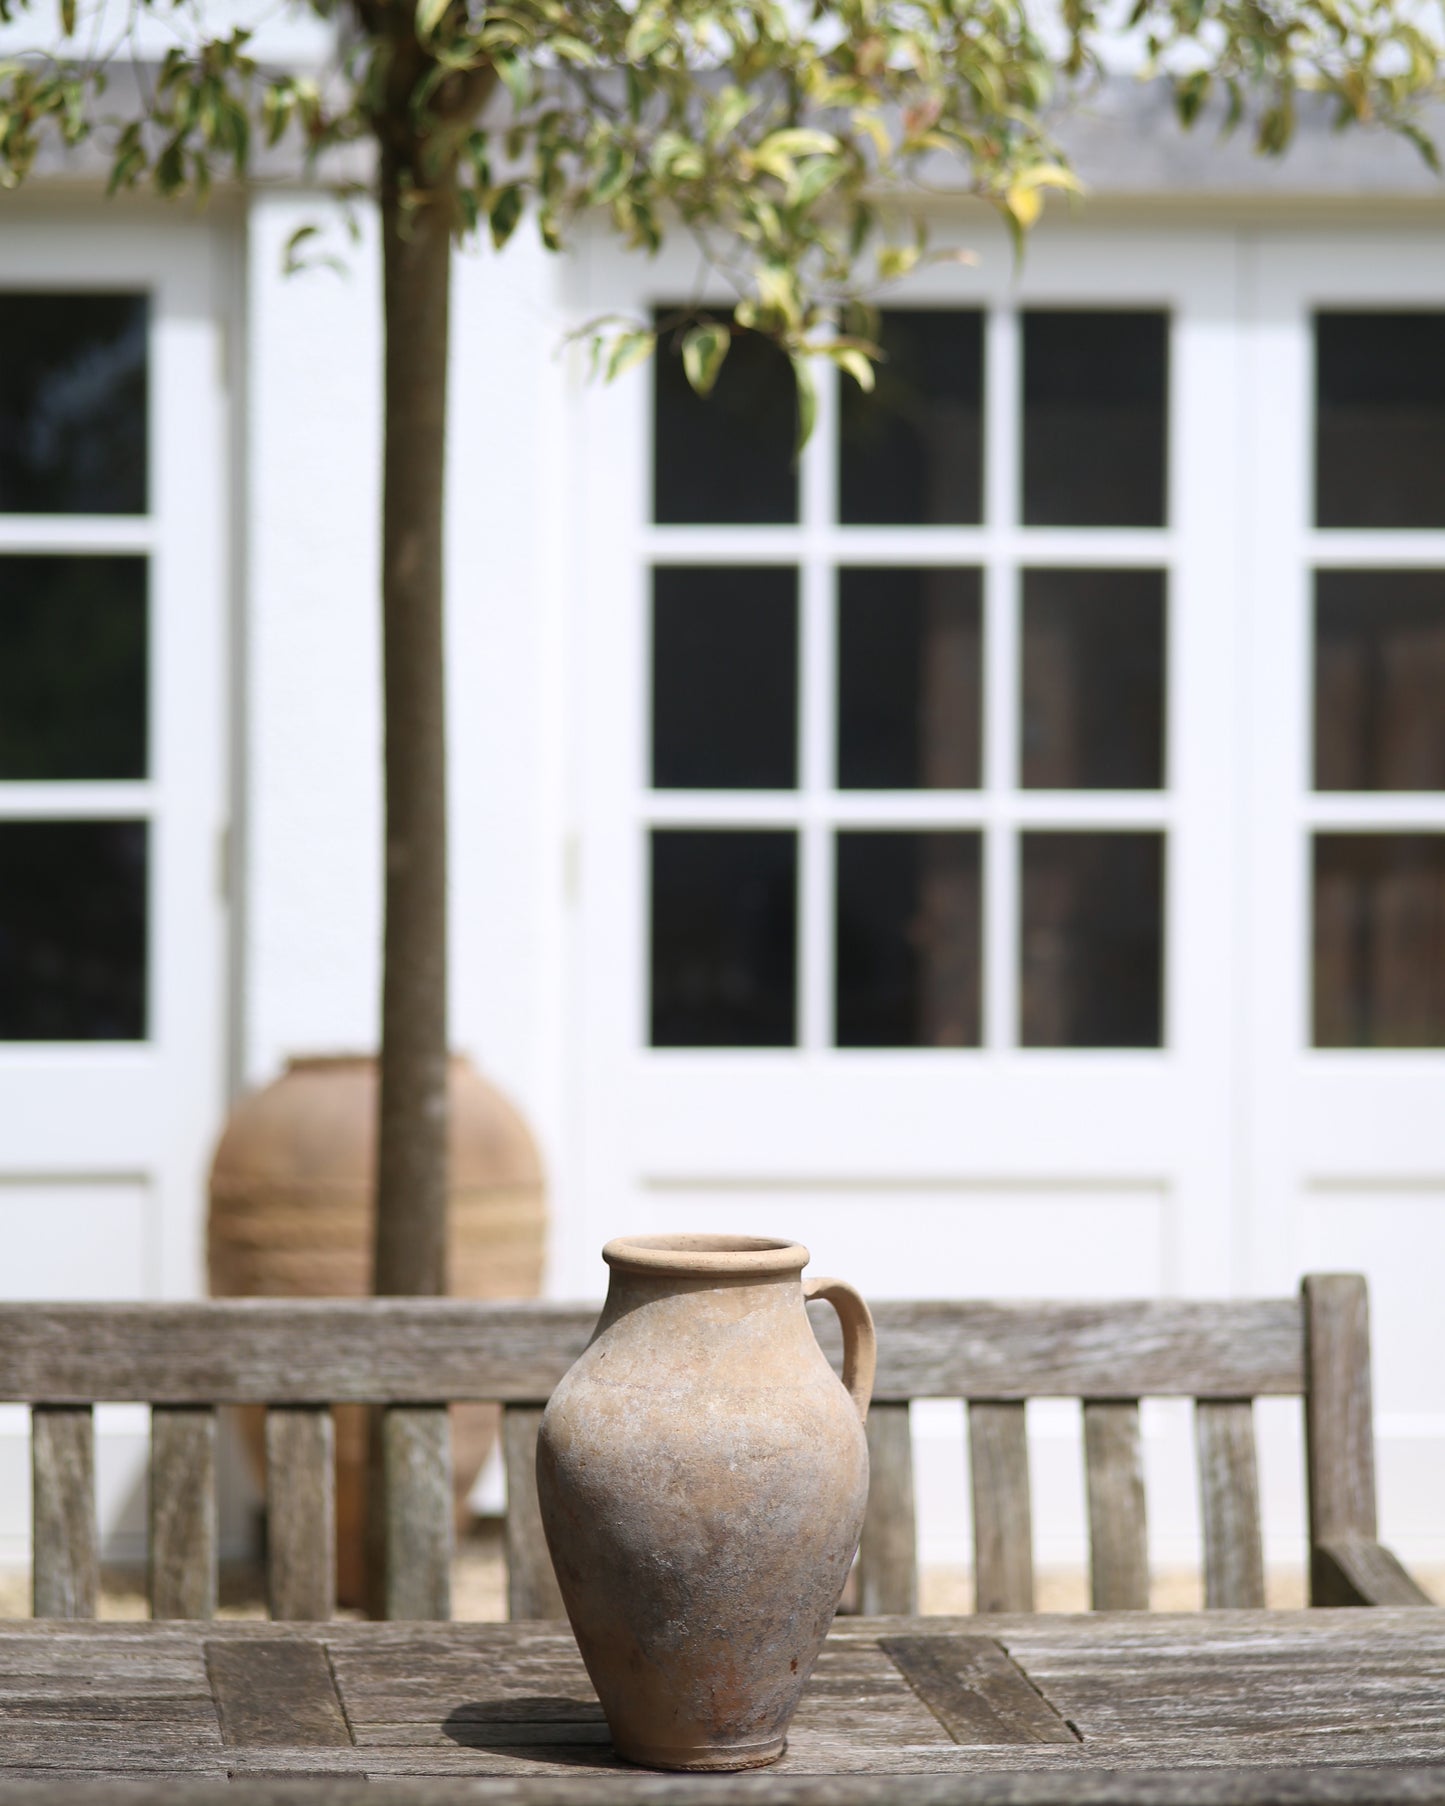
479,1587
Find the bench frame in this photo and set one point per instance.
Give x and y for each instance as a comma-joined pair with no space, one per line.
413,1357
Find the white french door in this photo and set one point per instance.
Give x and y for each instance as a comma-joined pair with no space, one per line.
901,930
1344,1130
114,565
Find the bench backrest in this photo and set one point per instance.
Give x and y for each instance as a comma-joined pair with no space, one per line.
1222,1354
413,1357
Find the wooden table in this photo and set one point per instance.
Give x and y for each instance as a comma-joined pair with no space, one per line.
1197,1709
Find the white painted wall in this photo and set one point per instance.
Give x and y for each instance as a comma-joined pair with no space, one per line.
311,934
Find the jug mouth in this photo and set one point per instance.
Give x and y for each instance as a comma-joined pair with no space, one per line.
724,1255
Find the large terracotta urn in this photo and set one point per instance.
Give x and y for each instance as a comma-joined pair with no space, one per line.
291,1210
702,1476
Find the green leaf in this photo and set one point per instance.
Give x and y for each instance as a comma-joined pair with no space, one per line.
703,351
517,78
429,15
1424,144
647,36
614,176
506,211
797,141
628,350
291,259
733,107
815,178
858,365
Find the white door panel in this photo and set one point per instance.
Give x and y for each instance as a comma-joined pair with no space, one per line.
1346,1143
816,1118
114,569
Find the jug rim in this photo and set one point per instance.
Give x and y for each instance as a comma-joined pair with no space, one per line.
724,1255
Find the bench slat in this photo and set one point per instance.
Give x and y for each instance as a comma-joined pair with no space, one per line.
66,1571
418,1525
1118,1549
888,1552
1003,1548
415,1351
183,1512
532,1590
1339,1431
1229,1504
300,1512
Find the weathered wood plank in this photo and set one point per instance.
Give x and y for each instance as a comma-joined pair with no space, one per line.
975,1691
1193,1694
1071,1785
65,1580
1355,1570
183,1512
300,1512
888,1552
417,1503
1339,1422
1003,1544
276,1692
241,1351
532,1590
1229,1504
1118,1546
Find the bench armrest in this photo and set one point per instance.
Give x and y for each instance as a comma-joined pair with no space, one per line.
1356,1570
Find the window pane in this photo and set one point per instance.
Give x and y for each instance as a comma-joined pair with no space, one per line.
72,668
724,938
908,940
909,679
727,458
1095,419
1093,680
1380,419
1380,680
72,930
724,678
1093,940
72,404
1379,950
911,453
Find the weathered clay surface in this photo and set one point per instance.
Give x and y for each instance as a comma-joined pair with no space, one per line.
703,1477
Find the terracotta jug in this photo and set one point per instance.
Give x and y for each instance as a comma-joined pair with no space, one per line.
702,1477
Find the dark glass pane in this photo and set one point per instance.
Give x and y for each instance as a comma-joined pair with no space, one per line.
1380,420
724,938
728,458
724,678
909,679
911,453
72,668
1093,940
72,930
1380,680
908,940
1379,951
1096,393
72,404
1093,680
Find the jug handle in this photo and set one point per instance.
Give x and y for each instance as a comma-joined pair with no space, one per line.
860,1341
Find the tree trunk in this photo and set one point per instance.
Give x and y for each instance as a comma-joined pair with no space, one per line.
411,1193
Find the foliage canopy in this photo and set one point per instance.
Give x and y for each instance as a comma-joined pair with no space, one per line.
794,142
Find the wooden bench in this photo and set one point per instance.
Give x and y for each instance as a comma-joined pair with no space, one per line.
1221,1354
413,1357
